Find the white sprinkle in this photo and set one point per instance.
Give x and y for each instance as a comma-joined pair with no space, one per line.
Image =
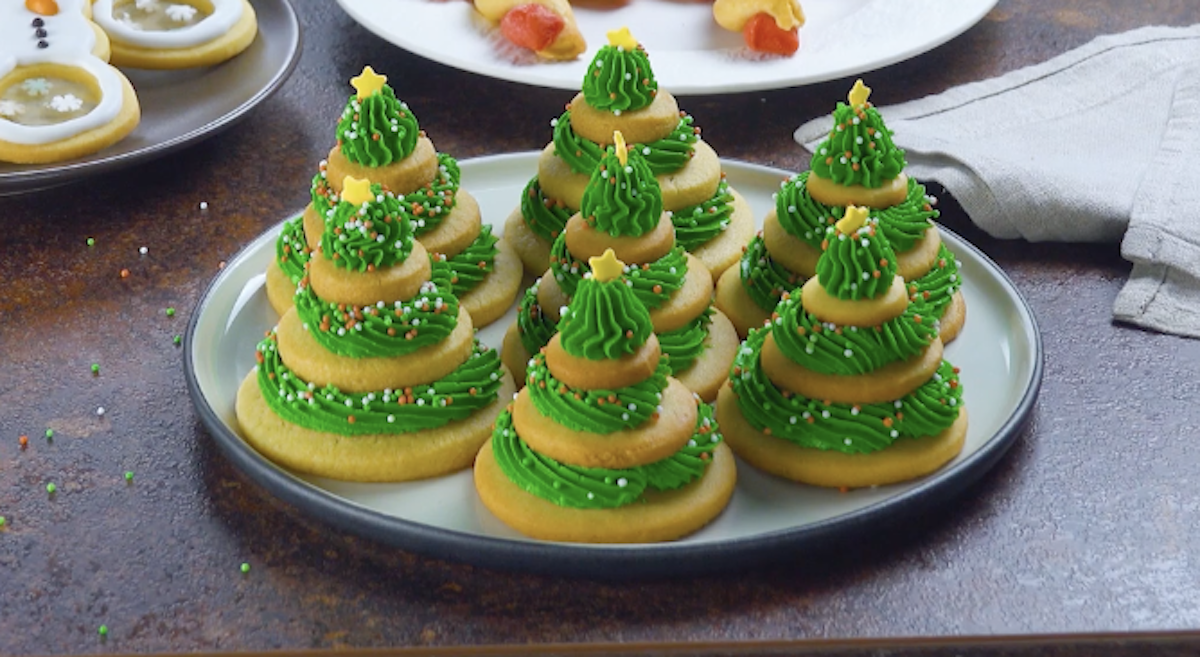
100,411
143,250
203,205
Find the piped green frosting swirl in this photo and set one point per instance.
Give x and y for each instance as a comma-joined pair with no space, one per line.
375,234
666,155
653,283
806,219
601,488
932,293
604,321
291,249
622,199
468,389
765,280
848,350
547,217
857,266
470,266
684,346
697,224
849,428
377,130
382,329
858,150
598,411
620,80
534,327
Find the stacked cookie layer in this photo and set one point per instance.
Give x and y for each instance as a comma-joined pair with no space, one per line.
373,373
379,139
846,386
856,165
602,445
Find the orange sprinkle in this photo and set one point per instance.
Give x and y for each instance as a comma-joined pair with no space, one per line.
24,440
350,419
124,273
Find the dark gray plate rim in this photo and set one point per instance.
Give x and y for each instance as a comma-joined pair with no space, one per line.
277,49
607,562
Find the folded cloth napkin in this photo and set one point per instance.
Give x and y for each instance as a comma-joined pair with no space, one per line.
1101,143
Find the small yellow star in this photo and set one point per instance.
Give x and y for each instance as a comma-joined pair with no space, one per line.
356,191
606,267
852,220
368,82
623,38
620,148
859,94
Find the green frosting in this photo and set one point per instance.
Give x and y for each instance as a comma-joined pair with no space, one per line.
857,266
597,411
850,428
382,329
806,219
601,488
291,249
605,321
620,80
765,280
666,155
683,346
377,130
374,235
546,217
471,265
653,283
622,199
430,204
324,199
848,350
931,293
697,224
534,327
468,389
859,149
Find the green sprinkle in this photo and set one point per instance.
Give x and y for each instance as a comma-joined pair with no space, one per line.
170,312
178,340
95,368
91,241
49,434
245,567
103,630
51,488
129,475
2,521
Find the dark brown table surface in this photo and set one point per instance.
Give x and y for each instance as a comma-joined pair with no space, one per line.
1089,525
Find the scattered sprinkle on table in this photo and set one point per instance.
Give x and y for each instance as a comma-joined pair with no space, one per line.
102,630
143,250
203,205
245,568
170,312
129,475
24,440
124,273
2,521
49,434
100,411
95,368
51,488
178,340
91,241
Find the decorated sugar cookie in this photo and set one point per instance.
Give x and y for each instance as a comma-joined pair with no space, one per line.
58,98
169,34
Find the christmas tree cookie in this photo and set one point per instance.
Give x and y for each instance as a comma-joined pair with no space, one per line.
712,221
856,165
846,386
374,372
379,139
622,209
602,445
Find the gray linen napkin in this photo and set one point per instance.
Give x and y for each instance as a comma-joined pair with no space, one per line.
1101,143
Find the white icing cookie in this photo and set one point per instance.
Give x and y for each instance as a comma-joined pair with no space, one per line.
169,34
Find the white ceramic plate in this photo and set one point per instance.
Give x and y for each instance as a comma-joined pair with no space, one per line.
690,53
180,108
999,352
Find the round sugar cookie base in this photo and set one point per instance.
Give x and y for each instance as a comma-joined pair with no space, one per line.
231,43
489,300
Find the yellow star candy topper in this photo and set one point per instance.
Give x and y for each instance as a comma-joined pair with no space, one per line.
367,83
623,38
356,191
859,94
620,147
854,219
606,267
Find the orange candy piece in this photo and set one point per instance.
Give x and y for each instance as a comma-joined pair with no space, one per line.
531,26
42,7
763,35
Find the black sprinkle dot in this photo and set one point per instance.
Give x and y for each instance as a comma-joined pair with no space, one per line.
40,33
37,22
43,44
